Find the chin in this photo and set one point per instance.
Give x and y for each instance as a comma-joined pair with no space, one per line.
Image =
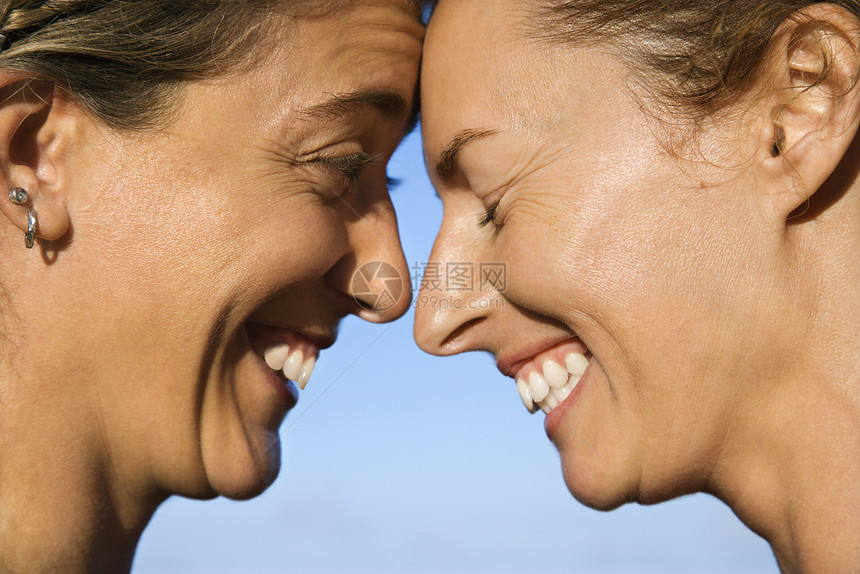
597,498
607,485
248,489
596,483
247,474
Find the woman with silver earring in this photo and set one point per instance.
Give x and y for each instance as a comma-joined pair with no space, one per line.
206,175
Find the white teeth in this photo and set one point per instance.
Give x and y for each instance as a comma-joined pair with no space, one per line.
561,394
539,386
549,389
555,374
276,356
576,364
307,371
526,395
293,366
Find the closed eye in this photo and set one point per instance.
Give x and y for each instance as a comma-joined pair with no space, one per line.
489,216
350,166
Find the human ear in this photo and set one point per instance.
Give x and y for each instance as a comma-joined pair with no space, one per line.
36,130
812,102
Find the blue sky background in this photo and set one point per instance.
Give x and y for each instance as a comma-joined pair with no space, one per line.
399,462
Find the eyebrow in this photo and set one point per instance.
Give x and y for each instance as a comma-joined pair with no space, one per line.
339,105
447,165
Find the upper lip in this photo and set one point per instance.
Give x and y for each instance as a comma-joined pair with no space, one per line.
322,338
510,363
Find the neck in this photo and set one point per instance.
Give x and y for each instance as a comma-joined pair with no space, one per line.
62,505
792,473
799,487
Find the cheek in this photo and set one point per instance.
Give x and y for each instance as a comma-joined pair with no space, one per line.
293,238
631,252
306,237
612,266
536,266
567,251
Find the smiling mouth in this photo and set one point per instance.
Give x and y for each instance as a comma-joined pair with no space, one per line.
291,355
548,379
291,364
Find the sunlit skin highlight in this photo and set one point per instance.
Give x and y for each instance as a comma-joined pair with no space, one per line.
720,327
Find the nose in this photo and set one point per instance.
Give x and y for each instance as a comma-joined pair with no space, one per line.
459,291
374,273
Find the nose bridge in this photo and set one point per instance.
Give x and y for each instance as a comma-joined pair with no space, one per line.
380,279
458,287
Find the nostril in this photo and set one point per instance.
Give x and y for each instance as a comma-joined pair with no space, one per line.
365,305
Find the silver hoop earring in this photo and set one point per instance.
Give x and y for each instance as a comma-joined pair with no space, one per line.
18,196
30,235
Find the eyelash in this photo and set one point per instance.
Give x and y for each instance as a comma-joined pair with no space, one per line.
489,216
350,167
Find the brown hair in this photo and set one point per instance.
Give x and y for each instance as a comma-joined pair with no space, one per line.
123,60
705,52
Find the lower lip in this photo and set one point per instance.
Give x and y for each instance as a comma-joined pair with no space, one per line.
554,418
286,391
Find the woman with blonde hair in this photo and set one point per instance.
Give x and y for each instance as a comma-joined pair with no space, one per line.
672,190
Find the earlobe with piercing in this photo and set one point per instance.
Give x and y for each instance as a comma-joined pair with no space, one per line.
19,196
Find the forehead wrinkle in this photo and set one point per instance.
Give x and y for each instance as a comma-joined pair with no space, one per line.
340,105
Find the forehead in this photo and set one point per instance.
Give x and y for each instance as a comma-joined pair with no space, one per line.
480,69
362,45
